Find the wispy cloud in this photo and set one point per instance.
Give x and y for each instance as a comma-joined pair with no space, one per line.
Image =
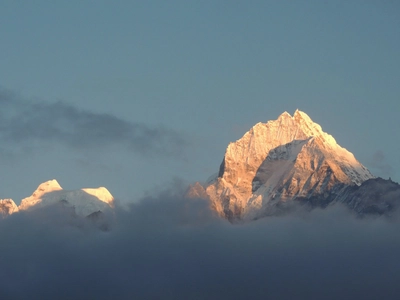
25,122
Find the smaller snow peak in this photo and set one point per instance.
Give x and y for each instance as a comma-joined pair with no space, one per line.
46,187
50,184
101,193
43,189
83,201
54,183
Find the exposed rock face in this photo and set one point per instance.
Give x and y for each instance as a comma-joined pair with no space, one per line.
7,207
278,161
84,201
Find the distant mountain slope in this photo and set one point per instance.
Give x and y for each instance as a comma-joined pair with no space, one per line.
373,196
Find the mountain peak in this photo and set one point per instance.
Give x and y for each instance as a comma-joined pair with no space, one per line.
46,187
299,113
283,115
302,118
50,184
289,157
43,188
85,201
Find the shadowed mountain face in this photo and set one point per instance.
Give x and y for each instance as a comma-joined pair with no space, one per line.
286,161
376,196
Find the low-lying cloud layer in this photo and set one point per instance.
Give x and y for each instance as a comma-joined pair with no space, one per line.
24,123
168,247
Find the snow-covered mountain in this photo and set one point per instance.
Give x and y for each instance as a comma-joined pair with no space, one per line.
84,201
273,166
274,163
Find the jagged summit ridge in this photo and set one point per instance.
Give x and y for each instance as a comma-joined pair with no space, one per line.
281,160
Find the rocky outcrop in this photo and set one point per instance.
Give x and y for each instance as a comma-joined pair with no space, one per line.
7,207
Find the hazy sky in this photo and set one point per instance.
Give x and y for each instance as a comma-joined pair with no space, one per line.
132,95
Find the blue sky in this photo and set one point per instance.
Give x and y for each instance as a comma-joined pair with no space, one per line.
203,71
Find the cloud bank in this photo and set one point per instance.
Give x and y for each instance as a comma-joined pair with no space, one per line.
23,123
169,247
